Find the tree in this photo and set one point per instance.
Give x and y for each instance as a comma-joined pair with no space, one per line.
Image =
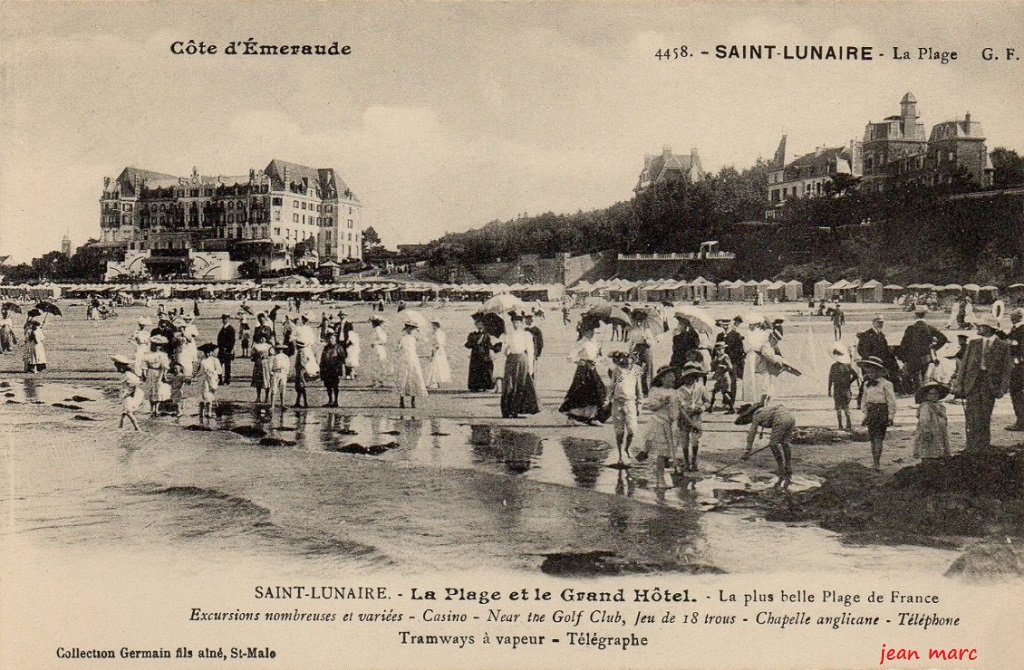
371,241
1008,168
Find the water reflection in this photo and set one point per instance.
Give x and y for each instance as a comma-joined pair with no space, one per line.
586,458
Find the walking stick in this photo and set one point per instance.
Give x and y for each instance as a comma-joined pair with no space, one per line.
745,456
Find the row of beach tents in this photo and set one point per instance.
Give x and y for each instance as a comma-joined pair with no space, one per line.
874,291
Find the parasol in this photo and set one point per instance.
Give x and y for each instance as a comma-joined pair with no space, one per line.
48,308
503,303
493,323
606,312
653,317
699,319
12,307
413,316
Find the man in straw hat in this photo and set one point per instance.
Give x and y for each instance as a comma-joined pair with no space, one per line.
983,377
1016,340
879,405
917,348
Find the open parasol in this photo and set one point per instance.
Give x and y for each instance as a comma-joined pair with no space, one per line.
413,316
652,315
493,323
48,308
605,312
699,319
503,303
12,307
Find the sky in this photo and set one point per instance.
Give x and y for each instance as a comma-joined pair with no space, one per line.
449,115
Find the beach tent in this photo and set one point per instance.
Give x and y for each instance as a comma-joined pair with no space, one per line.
703,289
750,288
891,292
950,288
794,290
870,291
775,291
989,292
821,289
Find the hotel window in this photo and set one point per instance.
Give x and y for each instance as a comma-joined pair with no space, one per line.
350,223
295,204
349,210
277,215
277,231
295,218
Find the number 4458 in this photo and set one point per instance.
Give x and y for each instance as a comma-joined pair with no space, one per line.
672,54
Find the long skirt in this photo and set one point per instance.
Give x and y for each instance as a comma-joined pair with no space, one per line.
439,372
261,373
517,394
409,378
659,440
7,339
755,384
481,372
586,398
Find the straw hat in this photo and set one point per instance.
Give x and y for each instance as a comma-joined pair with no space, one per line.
158,339
411,323
664,372
745,414
986,320
691,370
841,353
188,316
872,361
928,386
122,360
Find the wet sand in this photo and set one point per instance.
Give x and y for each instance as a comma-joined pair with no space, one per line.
451,484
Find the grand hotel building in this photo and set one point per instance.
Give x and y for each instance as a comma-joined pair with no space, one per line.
207,227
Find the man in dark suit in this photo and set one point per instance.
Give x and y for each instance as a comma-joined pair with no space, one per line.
226,346
684,340
872,342
917,347
983,377
1016,341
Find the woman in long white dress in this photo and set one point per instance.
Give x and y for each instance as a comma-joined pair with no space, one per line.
759,359
409,379
35,350
381,368
140,340
353,351
188,355
440,373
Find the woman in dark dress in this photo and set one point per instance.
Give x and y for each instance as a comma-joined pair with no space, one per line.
518,395
587,395
481,366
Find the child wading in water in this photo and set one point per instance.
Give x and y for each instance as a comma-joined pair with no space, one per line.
692,401
627,394
280,366
132,394
660,441
209,376
725,378
841,377
932,437
177,379
879,405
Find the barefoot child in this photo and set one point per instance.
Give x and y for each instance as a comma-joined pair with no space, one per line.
209,375
627,393
660,441
879,405
177,379
692,402
932,437
841,377
780,420
280,366
132,394
725,378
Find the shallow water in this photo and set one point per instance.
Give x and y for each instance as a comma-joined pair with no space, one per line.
440,496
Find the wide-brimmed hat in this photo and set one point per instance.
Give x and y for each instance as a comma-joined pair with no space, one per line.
872,361
207,347
158,339
719,345
179,323
145,321
122,360
188,316
986,320
411,323
377,319
745,413
281,347
664,372
618,355
928,386
691,370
